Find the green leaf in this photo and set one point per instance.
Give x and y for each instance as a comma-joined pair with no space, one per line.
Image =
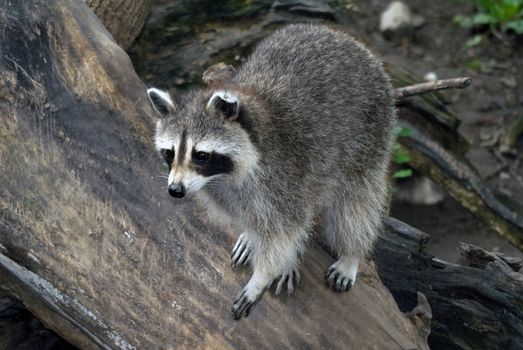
509,9
401,157
403,173
516,26
483,19
474,64
402,131
474,41
463,21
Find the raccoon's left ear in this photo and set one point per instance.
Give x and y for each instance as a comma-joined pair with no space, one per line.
224,103
161,101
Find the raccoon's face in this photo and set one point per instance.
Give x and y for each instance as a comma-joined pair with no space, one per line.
201,140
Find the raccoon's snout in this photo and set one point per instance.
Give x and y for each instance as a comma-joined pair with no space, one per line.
177,190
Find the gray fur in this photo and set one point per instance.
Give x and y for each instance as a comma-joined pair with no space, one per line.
315,129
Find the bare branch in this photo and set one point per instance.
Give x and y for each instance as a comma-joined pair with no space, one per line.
418,89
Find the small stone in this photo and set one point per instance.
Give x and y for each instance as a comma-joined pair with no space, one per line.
504,175
509,82
430,76
398,18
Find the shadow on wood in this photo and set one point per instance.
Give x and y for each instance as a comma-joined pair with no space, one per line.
473,307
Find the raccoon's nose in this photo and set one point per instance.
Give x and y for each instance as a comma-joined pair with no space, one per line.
177,190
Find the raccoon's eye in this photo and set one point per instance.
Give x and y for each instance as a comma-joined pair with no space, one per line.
201,157
168,155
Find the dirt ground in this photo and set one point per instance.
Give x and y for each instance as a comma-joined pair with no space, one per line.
485,108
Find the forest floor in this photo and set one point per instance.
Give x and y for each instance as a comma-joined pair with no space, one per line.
485,109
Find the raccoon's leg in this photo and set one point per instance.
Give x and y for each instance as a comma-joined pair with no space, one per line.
351,224
276,259
244,249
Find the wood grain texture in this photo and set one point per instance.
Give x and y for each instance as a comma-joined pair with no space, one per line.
473,307
90,240
123,18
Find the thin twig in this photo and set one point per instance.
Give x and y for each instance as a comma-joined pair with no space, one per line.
418,89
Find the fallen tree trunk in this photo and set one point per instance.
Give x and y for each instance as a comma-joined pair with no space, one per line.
19,329
473,307
123,18
90,241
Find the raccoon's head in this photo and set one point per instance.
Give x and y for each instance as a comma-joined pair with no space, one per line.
202,139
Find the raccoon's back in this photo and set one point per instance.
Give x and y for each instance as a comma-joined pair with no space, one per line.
324,88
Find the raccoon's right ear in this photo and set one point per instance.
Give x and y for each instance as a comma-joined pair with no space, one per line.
224,103
161,101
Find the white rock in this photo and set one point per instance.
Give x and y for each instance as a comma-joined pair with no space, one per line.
398,17
419,190
430,76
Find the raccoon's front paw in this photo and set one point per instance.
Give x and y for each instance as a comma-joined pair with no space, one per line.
243,305
342,275
290,280
241,252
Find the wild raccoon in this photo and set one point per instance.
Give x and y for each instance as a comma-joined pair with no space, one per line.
303,129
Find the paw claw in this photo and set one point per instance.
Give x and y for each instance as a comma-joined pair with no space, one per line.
289,280
241,252
242,306
339,278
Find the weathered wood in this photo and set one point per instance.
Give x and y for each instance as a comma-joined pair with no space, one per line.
473,307
437,151
463,183
509,140
89,238
19,329
123,18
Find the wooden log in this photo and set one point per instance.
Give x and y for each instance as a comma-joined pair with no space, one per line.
123,18
463,183
90,241
473,307
19,329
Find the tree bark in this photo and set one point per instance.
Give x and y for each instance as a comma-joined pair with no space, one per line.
124,19
473,307
90,241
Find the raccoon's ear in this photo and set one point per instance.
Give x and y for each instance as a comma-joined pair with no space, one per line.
161,101
224,103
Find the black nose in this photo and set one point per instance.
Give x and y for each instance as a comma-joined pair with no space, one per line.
177,190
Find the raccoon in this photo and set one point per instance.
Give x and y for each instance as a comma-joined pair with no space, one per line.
303,129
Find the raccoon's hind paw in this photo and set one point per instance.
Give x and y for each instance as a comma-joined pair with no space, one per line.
290,280
241,252
341,276
243,305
